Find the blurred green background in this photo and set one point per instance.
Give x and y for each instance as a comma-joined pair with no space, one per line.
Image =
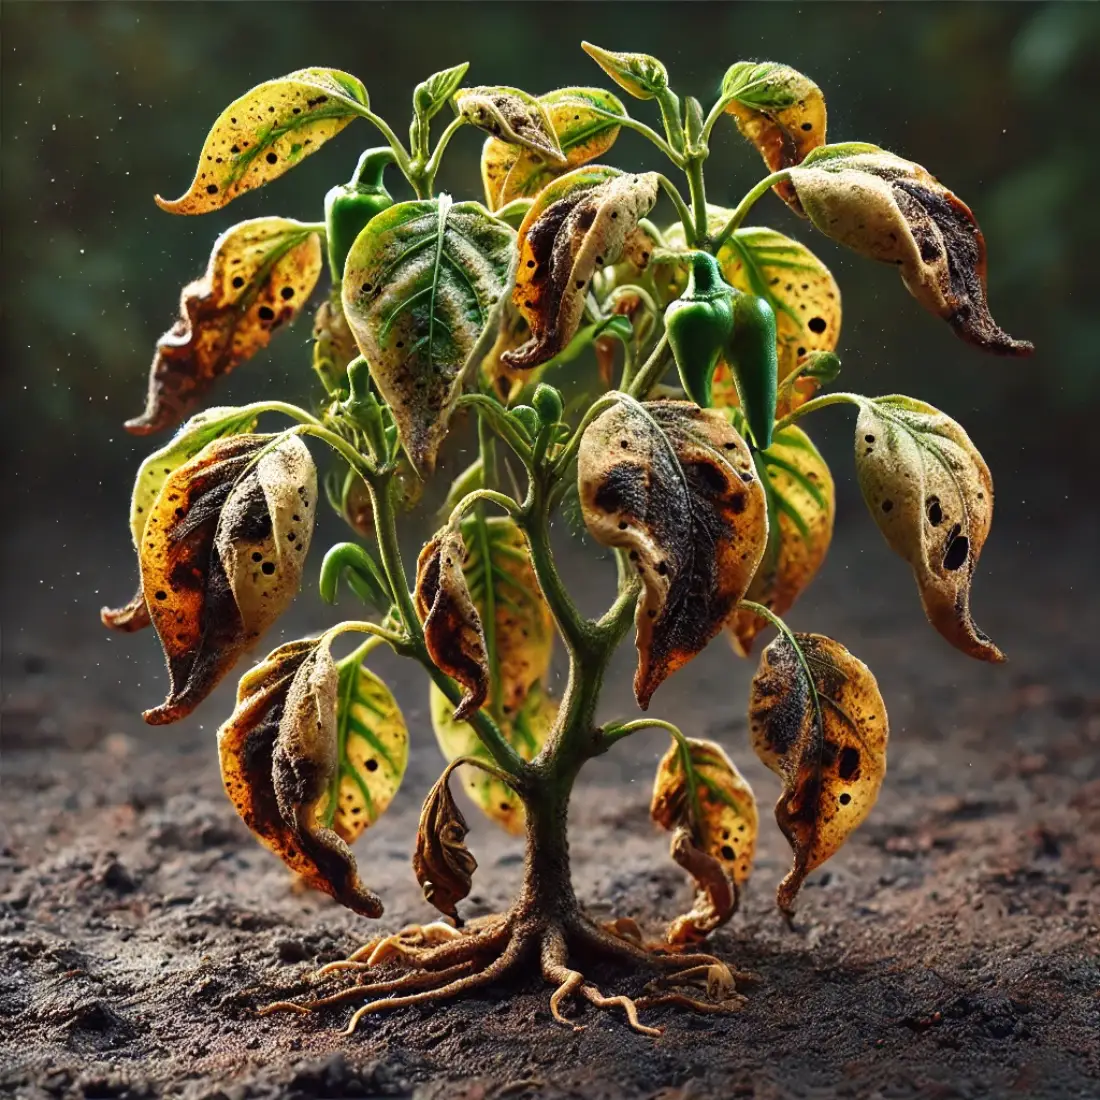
105,104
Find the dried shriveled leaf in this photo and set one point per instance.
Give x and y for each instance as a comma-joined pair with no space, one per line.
279,763
801,510
511,115
334,346
675,486
818,721
222,556
267,132
931,494
452,626
526,731
780,111
444,866
512,332
421,286
714,832
200,430
892,210
639,74
578,224
584,133
260,274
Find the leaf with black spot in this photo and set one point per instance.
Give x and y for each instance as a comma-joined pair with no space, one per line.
892,210
674,485
260,274
443,865
513,116
578,225
704,801
222,555
931,494
268,131
280,766
817,720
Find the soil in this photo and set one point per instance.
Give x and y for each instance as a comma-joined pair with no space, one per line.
949,950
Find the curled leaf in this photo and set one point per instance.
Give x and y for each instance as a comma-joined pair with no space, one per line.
279,763
780,111
130,617
675,486
334,346
714,830
639,74
801,509
931,494
421,286
260,274
222,555
577,225
443,865
892,210
526,731
513,116
578,118
818,721
452,627
267,132
817,369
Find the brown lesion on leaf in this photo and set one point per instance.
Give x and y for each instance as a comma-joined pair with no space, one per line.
443,865
511,116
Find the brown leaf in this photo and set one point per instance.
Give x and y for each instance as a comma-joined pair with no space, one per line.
443,864
222,555
780,111
892,210
334,346
577,225
130,618
513,116
824,734
452,626
674,485
801,509
260,274
278,756
714,832
931,494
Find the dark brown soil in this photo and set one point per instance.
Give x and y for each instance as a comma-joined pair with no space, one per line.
950,950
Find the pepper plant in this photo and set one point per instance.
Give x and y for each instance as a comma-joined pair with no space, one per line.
701,483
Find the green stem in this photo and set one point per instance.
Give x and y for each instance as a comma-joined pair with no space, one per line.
652,370
742,209
399,151
816,403
434,161
697,188
682,210
638,127
566,456
506,778
377,634
500,422
502,500
669,103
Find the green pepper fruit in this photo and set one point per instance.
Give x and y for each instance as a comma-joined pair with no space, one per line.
349,206
753,359
699,325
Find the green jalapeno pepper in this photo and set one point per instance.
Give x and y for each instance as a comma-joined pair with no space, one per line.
699,325
349,206
753,359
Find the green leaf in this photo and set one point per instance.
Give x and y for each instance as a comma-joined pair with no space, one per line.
267,132
421,286
433,94
372,751
637,73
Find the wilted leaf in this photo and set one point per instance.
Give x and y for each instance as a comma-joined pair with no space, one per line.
931,494
279,764
675,486
372,751
260,274
801,509
892,210
513,116
714,832
452,627
200,430
780,111
512,332
267,132
577,225
222,555
639,74
443,864
526,732
818,721
421,285
583,132
334,346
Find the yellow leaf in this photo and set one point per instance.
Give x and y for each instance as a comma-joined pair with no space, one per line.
267,132
674,485
818,721
639,74
260,274
931,494
801,510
